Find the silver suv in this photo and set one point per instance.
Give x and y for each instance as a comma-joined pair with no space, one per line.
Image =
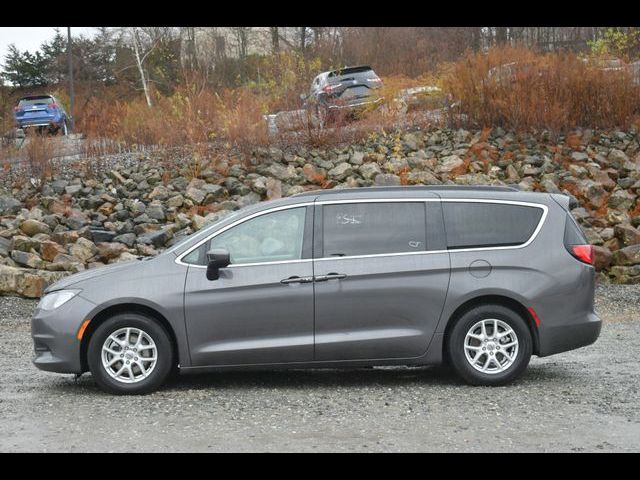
347,90
478,277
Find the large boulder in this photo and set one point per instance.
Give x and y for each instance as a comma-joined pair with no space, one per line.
621,200
450,163
26,282
27,259
313,174
5,247
617,158
593,192
627,256
387,180
627,234
107,251
126,238
83,249
274,189
9,205
24,244
49,250
341,171
32,227
627,275
423,177
156,238
603,257
195,191
370,170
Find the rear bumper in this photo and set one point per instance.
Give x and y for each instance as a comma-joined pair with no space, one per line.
356,104
39,122
563,338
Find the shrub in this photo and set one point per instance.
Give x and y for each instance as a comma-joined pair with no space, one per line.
520,89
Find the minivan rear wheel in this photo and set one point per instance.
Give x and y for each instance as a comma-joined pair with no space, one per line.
130,353
490,345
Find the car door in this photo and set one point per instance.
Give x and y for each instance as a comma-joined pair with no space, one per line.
260,309
381,278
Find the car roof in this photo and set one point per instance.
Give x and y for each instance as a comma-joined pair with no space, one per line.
480,192
415,189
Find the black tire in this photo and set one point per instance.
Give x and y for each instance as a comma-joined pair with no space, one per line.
165,354
456,342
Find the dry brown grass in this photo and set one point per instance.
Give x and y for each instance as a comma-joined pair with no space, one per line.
555,91
520,89
38,153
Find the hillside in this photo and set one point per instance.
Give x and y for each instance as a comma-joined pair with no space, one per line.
114,208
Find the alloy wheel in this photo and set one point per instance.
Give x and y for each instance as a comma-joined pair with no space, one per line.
491,346
129,355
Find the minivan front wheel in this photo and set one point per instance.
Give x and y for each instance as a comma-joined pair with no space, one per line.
130,354
490,345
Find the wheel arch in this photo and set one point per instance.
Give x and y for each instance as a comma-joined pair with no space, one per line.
112,310
493,299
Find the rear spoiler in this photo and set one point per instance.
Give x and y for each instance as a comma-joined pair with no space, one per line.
562,200
350,70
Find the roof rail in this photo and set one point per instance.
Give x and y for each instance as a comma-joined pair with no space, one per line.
427,188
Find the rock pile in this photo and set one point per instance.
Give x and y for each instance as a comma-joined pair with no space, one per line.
72,223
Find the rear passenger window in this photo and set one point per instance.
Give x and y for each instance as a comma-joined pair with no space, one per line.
475,224
373,228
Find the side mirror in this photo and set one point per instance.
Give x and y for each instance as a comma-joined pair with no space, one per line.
216,259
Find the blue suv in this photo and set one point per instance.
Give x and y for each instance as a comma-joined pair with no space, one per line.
41,112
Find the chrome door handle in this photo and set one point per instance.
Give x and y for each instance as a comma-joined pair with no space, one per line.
296,279
330,276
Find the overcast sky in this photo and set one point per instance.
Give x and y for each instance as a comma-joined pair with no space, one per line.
30,38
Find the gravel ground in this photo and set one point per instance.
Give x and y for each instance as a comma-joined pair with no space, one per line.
585,400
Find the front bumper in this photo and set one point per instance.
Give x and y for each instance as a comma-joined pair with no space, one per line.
54,334
563,338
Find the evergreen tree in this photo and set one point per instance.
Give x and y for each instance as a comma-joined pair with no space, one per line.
25,69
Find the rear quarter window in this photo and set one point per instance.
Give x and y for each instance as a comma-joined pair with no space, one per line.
573,234
477,224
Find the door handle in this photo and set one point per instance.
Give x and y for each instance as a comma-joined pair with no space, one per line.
330,276
296,279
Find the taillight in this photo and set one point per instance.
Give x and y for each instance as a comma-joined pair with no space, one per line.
375,81
17,109
331,88
53,105
584,253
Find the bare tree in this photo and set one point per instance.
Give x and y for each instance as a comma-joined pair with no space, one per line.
139,61
275,39
242,38
303,38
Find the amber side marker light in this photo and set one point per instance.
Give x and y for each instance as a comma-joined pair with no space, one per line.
535,316
83,327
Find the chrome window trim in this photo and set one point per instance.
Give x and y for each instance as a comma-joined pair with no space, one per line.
238,222
533,236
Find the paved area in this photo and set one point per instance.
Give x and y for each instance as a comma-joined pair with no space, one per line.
585,400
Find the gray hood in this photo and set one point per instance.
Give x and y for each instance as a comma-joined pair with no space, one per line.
90,274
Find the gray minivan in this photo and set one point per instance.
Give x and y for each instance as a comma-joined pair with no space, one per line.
480,278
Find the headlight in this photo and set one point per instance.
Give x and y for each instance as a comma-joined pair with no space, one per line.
53,300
